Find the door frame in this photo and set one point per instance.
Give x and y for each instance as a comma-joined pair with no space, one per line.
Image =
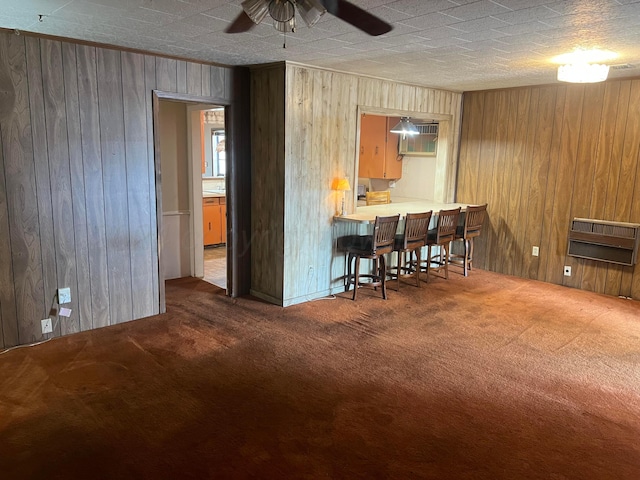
236,181
195,197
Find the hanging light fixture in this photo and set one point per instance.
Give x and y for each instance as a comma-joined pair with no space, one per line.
405,127
283,12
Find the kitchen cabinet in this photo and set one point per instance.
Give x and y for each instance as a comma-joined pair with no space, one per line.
379,148
214,215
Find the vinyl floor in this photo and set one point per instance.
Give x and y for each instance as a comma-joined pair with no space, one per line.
215,265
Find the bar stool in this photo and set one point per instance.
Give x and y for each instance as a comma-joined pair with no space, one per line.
442,236
413,238
473,220
372,247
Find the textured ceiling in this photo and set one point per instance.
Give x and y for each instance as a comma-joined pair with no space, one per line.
454,44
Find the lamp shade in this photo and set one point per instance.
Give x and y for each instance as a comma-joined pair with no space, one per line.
341,184
310,11
285,27
282,10
256,9
405,127
583,73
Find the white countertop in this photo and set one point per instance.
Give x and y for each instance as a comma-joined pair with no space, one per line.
368,214
213,193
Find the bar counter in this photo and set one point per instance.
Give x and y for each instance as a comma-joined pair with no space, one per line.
368,214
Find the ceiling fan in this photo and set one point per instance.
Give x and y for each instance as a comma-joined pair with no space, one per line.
283,13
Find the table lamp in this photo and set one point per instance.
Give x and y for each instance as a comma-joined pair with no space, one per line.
341,185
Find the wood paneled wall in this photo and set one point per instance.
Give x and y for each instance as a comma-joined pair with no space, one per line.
308,143
541,156
267,182
322,109
77,180
239,182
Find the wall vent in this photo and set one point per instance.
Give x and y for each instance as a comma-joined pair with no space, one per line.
427,128
622,66
613,242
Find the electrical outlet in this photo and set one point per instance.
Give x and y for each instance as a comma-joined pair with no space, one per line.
535,252
64,295
46,326
567,270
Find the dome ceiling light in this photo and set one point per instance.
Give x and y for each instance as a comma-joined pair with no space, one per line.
584,66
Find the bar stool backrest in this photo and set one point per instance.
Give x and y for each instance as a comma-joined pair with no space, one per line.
416,226
474,218
447,224
384,234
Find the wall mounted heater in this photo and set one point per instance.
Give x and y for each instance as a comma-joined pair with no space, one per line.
613,242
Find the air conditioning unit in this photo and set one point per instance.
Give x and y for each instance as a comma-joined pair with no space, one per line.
425,144
613,242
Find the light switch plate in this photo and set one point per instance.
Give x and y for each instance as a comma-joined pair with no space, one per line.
64,295
46,325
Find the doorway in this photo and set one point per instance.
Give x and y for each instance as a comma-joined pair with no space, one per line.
190,145
235,99
214,199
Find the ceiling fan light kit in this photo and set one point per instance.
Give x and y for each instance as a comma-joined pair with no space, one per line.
256,9
310,11
283,13
285,27
282,10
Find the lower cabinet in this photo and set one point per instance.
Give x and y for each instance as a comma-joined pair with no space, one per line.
214,216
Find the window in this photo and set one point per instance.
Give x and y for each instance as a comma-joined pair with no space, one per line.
424,144
218,153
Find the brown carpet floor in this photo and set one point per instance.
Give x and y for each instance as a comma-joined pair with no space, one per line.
484,377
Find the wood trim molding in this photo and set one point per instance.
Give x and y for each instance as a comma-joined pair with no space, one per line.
109,46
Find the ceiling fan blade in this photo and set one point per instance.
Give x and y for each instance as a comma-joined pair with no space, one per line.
242,23
357,17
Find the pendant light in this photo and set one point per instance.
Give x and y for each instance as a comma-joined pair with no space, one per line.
405,127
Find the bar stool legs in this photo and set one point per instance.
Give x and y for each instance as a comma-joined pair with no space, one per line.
378,277
371,247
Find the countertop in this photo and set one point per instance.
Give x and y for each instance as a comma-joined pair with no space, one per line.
368,214
213,193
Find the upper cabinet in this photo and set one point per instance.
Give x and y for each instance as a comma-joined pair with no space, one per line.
379,148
